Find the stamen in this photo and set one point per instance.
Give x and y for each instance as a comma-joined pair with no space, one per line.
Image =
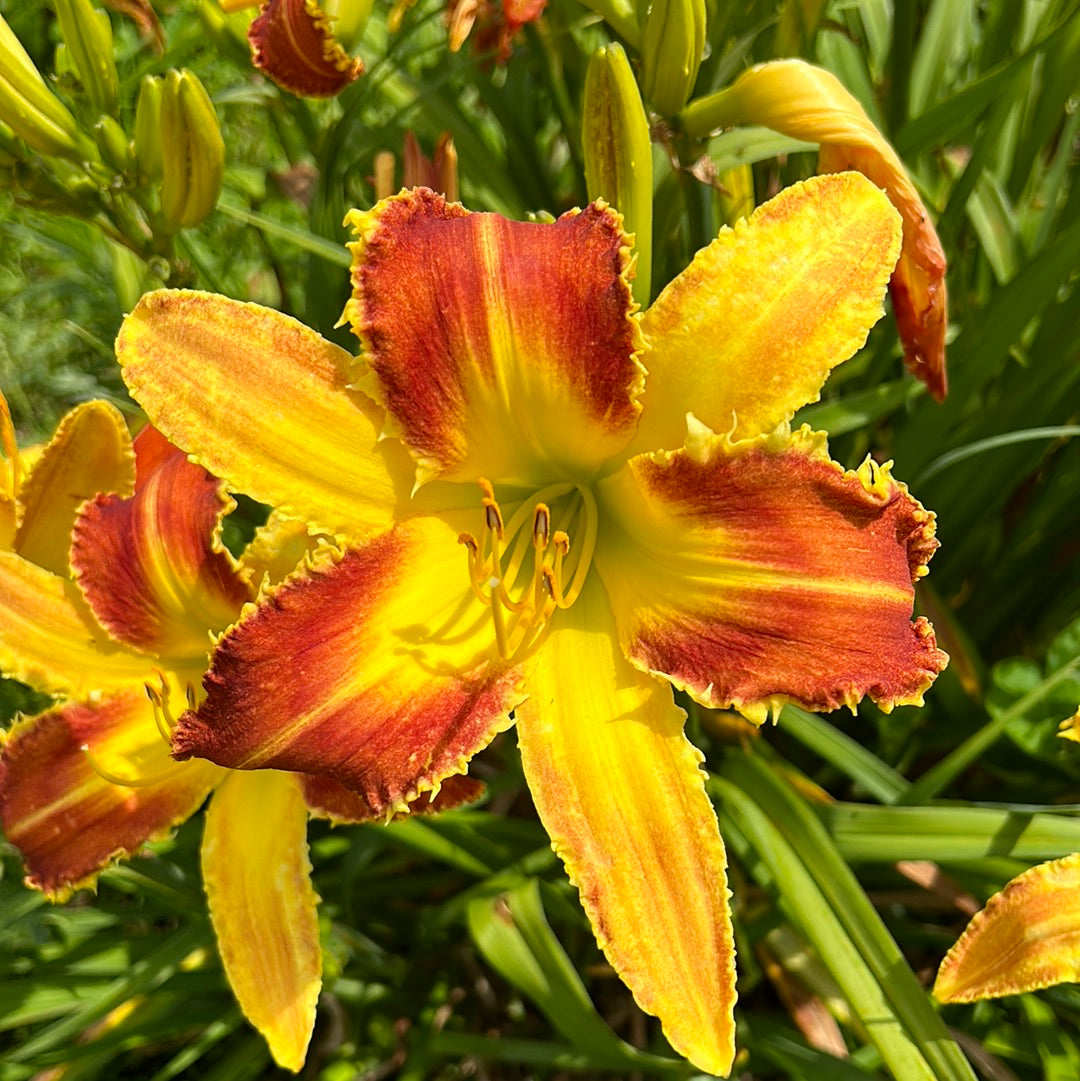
496,580
163,718
126,782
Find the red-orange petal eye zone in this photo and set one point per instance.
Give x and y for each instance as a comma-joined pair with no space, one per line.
499,347
327,798
292,42
63,816
345,670
151,566
755,575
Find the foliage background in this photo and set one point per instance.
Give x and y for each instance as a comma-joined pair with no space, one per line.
455,947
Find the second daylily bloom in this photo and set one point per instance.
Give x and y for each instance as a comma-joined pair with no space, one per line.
123,639
528,523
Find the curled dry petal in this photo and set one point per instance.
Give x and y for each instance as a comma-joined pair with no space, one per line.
292,42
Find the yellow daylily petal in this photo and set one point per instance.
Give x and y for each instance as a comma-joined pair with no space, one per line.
49,639
620,791
749,332
807,102
1027,937
276,550
90,453
263,906
262,401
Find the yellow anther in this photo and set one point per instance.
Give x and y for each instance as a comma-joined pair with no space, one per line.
561,542
470,542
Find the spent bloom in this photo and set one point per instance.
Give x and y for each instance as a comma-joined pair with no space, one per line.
121,636
543,502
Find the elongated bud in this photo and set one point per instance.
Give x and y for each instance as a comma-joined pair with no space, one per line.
89,39
672,44
147,137
618,153
192,152
31,109
113,142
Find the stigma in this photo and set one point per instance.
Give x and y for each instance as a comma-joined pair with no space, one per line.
525,569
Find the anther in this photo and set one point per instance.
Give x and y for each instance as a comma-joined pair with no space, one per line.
493,517
470,542
541,526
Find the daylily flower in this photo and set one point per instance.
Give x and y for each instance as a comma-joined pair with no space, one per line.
293,42
126,634
527,523
807,102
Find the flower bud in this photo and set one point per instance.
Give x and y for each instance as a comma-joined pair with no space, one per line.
113,142
672,44
89,39
618,153
192,152
147,138
31,109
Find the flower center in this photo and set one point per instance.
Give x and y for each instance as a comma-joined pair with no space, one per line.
525,574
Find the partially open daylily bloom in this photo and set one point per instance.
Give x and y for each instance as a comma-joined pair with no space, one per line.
1026,938
294,44
123,638
527,523
807,102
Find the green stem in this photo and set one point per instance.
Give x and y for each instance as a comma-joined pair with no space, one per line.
938,777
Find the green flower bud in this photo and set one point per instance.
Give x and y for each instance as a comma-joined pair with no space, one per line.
113,143
89,39
672,44
618,153
31,109
192,152
147,138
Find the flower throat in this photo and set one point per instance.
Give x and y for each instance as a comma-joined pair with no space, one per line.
525,569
